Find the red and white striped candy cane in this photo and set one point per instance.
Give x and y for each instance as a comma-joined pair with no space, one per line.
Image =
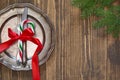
20,30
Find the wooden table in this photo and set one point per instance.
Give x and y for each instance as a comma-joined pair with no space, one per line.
81,52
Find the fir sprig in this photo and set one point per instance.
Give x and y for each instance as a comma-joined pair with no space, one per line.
108,14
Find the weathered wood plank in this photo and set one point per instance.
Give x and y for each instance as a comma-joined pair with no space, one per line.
25,1
71,37
51,12
113,62
11,2
4,4
99,54
6,73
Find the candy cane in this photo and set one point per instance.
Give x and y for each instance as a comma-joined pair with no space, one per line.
20,29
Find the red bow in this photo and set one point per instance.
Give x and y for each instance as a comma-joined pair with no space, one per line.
27,34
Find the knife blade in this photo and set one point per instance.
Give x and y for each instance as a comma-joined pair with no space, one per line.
24,55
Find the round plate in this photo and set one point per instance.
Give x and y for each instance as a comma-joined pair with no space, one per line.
10,17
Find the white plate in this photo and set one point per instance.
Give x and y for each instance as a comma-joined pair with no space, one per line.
10,17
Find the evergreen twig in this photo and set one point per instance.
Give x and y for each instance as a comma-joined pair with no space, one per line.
108,14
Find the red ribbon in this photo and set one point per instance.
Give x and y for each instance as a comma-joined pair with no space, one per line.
27,34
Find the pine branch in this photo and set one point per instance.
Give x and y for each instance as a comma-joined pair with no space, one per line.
108,14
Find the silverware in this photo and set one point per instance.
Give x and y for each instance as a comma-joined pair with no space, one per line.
24,55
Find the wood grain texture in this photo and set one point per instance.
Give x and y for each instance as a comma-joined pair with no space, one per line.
81,52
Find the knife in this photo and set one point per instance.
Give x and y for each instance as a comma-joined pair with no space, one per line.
24,55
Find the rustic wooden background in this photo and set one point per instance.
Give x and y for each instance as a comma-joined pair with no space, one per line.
81,52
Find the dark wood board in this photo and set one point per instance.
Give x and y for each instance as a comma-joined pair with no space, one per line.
81,52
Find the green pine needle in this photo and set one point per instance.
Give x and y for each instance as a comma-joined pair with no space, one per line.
108,14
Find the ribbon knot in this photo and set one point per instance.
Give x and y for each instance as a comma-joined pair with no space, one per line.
27,34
